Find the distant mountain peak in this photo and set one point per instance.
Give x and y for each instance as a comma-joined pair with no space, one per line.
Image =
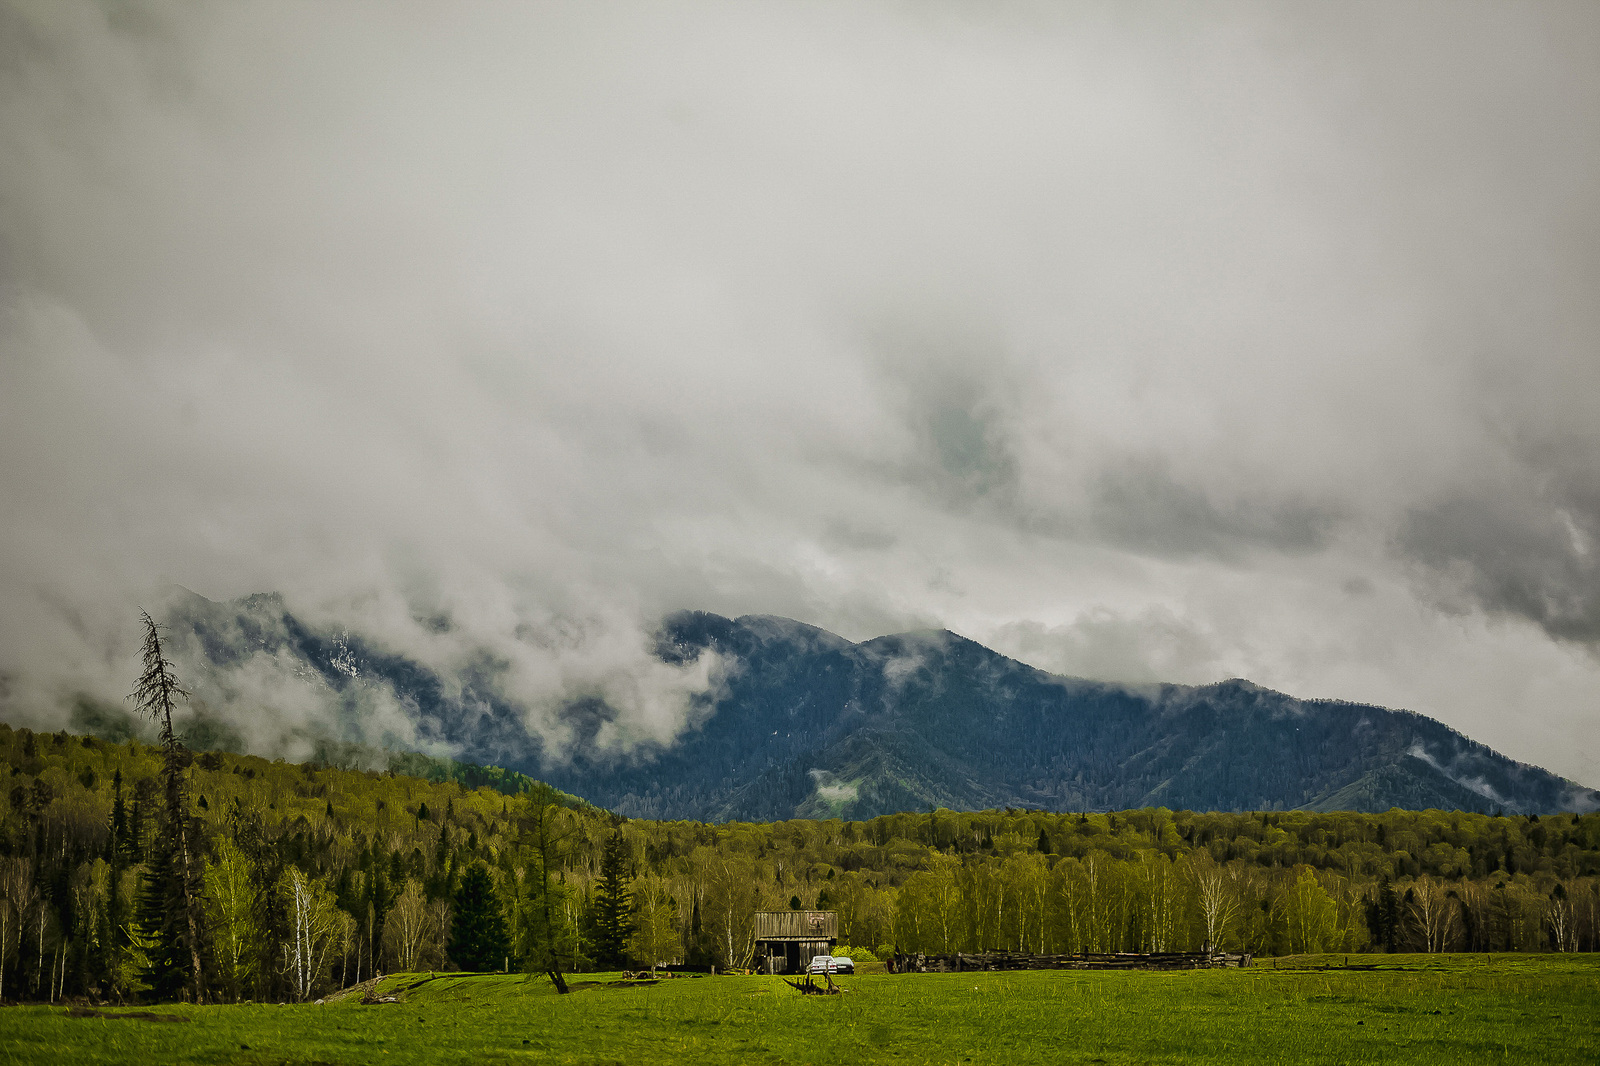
925,717
804,721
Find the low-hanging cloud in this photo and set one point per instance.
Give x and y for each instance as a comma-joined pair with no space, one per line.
1249,340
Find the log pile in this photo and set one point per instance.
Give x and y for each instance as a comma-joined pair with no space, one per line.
1015,960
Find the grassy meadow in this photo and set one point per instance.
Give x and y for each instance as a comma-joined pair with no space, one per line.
1408,1008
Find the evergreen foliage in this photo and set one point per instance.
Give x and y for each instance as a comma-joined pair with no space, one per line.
478,938
162,923
613,906
172,912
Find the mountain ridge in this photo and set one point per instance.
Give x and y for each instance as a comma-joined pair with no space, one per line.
806,723
1163,743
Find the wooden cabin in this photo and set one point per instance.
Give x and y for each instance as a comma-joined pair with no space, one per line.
786,941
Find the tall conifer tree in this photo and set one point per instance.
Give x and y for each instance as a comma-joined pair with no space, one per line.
613,905
478,938
174,871
167,968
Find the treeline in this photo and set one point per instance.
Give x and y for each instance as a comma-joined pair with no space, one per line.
310,877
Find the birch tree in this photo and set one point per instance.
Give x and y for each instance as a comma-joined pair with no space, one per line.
1069,894
1561,920
17,897
406,932
1108,902
655,934
1220,896
730,909
313,927
1029,879
1162,901
1434,913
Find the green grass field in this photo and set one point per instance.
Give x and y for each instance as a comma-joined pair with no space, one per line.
1411,1009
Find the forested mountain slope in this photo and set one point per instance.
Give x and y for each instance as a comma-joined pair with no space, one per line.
381,864
812,725
806,723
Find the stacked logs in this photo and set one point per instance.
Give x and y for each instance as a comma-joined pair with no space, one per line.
1016,960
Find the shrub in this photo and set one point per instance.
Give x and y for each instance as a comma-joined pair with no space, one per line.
858,954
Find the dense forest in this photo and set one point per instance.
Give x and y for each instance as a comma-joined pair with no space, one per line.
310,877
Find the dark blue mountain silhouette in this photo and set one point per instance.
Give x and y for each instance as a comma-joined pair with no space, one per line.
808,724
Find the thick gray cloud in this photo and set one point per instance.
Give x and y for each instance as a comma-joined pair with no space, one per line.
1524,544
1140,340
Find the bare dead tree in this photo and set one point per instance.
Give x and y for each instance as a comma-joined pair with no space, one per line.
155,694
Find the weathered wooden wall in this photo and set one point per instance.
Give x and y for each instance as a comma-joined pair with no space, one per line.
797,925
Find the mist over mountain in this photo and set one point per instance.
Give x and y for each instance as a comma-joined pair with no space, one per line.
800,722
812,725
1162,343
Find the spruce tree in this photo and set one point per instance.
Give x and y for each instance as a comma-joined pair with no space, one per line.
156,692
158,912
378,898
478,938
134,841
119,849
1388,925
117,846
613,905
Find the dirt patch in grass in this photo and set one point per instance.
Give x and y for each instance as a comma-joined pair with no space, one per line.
130,1015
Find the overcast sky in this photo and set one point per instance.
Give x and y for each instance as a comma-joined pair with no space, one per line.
1168,341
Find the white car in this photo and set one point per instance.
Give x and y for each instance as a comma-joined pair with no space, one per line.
831,964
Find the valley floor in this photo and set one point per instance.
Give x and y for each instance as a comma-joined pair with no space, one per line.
1409,1008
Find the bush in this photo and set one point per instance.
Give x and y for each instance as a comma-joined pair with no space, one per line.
857,954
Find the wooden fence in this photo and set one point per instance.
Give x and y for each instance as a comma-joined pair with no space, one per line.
1016,960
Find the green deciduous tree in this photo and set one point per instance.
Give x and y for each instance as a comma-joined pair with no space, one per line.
655,931
1310,915
413,934
233,903
927,913
729,907
548,935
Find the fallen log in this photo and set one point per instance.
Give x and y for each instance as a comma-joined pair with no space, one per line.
808,987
